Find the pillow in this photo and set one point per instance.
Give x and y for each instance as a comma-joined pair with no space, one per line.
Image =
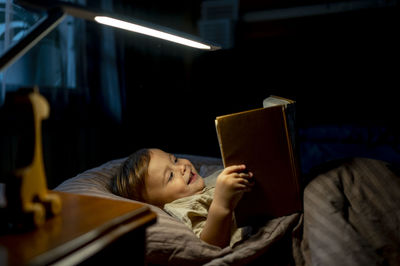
170,241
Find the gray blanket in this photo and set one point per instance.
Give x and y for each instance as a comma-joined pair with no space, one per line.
352,216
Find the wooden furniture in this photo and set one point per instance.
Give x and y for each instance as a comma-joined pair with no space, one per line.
89,230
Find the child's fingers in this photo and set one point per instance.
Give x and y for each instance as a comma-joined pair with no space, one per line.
248,175
245,179
234,168
246,182
244,187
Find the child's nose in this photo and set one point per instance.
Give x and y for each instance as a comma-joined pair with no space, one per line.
182,168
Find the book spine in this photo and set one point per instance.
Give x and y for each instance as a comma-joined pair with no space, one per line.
220,142
290,140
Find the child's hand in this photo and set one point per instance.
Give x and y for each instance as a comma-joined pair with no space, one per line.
230,186
229,189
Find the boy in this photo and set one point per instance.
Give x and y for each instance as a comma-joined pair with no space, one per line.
161,179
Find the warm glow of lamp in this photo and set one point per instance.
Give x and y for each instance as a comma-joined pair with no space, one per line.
150,32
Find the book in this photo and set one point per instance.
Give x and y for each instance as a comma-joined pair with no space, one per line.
264,140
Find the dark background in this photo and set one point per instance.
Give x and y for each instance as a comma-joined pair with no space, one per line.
342,70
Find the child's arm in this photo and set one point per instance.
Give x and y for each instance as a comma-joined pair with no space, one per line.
230,186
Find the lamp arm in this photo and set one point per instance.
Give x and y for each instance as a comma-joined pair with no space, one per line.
42,28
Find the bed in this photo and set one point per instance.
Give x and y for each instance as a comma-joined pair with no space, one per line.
351,217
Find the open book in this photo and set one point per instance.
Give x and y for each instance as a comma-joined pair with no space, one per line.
263,140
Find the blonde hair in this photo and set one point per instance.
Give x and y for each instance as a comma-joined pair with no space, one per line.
130,179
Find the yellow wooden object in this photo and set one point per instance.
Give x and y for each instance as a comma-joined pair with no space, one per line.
27,195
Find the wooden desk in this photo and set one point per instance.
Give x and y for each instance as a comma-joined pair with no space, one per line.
89,230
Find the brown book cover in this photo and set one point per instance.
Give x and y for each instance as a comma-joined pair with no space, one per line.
260,139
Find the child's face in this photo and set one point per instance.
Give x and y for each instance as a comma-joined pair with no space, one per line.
170,178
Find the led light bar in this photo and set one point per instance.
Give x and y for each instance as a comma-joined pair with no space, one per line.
150,32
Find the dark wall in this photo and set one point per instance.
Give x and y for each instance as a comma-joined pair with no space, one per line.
339,68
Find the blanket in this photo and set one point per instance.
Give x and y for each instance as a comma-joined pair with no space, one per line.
352,215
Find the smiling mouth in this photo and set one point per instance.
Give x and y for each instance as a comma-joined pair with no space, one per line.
192,177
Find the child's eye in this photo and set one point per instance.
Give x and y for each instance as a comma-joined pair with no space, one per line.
171,176
173,158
